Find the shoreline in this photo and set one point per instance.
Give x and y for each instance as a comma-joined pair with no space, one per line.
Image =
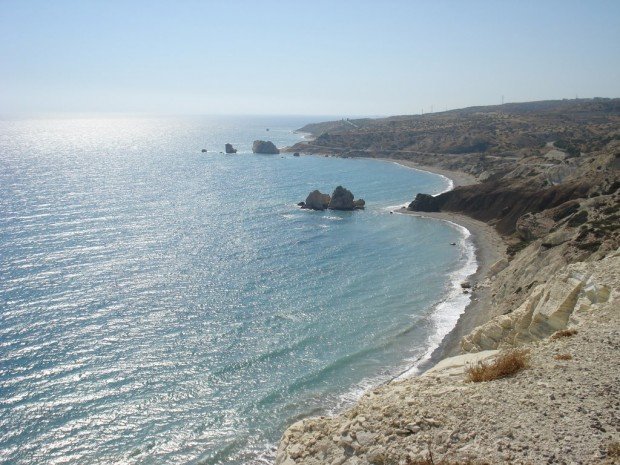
489,247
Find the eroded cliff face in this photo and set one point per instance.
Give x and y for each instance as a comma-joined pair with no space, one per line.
539,290
527,189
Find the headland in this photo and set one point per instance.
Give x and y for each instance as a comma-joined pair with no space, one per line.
538,186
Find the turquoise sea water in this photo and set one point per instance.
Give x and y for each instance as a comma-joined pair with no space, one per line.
163,305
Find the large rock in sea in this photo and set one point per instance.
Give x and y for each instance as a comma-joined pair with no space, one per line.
230,149
262,146
342,199
316,201
424,203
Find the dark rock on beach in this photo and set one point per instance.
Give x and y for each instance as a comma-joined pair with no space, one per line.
230,149
424,203
262,146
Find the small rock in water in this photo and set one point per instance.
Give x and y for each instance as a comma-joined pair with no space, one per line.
204,150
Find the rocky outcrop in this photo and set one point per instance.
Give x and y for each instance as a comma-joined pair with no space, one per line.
549,307
230,149
316,201
266,147
342,199
424,203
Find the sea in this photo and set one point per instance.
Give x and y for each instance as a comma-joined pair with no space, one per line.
160,304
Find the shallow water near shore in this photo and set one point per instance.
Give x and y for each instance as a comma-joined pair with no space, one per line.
163,305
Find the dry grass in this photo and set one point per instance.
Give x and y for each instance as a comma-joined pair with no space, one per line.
506,364
563,357
564,333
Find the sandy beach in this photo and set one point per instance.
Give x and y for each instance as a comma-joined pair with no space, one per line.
458,177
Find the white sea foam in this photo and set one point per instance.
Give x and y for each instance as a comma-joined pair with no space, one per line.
447,312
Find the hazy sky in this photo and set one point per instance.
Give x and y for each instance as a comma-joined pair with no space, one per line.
302,57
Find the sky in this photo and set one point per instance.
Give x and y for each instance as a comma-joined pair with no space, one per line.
346,58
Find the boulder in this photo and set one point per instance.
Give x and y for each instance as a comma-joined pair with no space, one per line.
262,146
204,150
342,199
230,149
316,201
296,154
359,204
424,203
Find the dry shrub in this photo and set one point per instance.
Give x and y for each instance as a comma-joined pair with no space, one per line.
563,357
506,364
564,333
613,450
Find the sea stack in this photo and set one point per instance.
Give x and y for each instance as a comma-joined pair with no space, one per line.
264,146
341,199
230,149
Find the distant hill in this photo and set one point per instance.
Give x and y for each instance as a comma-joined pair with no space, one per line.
583,125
